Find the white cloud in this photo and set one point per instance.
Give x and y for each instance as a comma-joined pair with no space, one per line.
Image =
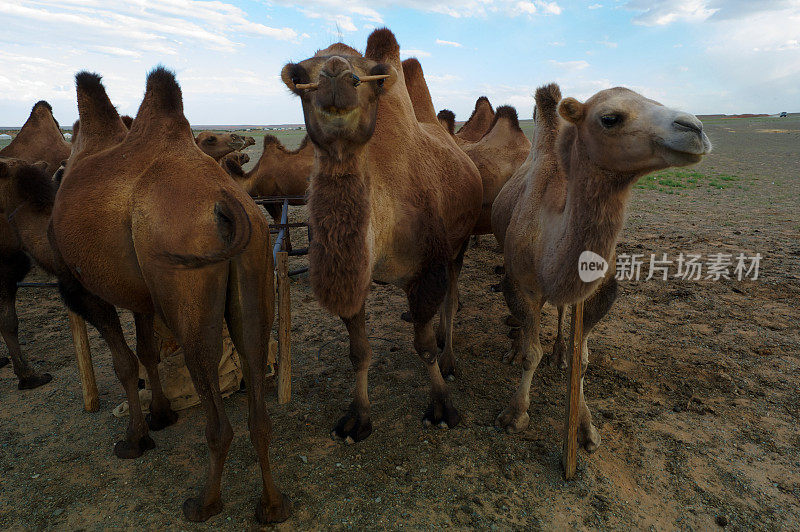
595,6
411,52
608,44
452,8
570,65
449,43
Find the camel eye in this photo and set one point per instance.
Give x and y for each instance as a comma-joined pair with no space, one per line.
609,121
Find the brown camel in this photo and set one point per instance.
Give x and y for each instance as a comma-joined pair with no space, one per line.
279,171
570,197
238,157
153,225
40,139
479,121
497,155
218,145
392,198
26,197
447,119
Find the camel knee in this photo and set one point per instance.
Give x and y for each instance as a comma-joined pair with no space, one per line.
427,291
219,436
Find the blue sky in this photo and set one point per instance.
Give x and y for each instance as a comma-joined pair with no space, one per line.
704,56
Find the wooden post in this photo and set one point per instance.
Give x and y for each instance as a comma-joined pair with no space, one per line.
80,338
570,449
284,330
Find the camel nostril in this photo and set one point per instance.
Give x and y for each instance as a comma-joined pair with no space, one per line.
690,123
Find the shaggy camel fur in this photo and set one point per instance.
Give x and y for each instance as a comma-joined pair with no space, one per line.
479,121
218,145
392,198
181,240
569,197
40,139
26,197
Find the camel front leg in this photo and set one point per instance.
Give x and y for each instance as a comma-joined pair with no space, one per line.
161,413
356,424
595,308
558,358
514,418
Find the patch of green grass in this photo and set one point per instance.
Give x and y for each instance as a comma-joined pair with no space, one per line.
673,180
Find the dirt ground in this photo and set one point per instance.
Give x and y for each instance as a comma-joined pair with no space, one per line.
692,384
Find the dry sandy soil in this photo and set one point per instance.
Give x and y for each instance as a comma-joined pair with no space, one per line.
693,386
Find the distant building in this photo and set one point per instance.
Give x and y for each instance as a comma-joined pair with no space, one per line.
4,136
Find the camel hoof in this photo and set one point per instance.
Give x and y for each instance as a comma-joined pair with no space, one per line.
161,420
441,414
126,451
352,428
4,361
589,438
274,514
29,383
559,356
499,270
448,370
194,510
406,316
512,421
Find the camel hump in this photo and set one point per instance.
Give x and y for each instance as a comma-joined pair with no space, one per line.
234,230
271,141
547,98
34,186
42,103
162,93
479,121
447,119
97,115
508,115
382,46
418,91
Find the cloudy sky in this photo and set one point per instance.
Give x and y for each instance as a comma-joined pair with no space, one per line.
705,56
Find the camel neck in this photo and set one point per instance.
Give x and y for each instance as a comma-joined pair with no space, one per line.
339,216
592,219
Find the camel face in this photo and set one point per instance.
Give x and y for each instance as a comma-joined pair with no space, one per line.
626,132
218,145
341,110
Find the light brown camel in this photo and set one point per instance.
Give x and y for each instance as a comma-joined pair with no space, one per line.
218,145
153,225
40,139
26,197
479,121
392,198
569,197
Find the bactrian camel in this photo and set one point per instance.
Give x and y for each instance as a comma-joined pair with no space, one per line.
392,198
479,121
569,197
40,139
218,145
26,197
153,225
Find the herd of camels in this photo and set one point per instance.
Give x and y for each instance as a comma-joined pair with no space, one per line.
141,215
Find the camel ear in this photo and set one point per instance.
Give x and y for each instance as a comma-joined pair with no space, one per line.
292,74
571,110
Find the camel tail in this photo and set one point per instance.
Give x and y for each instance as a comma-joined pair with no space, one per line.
234,229
546,114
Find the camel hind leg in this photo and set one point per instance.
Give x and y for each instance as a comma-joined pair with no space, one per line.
249,314
444,336
526,346
105,319
13,269
425,295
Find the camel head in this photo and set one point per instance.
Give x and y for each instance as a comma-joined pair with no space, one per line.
217,145
23,183
622,131
339,91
